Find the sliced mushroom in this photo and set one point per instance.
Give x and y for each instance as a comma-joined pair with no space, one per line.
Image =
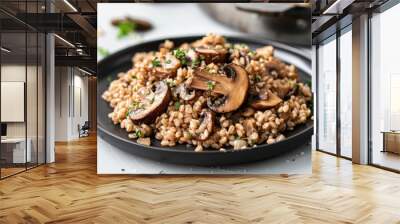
206,127
192,55
212,55
184,93
167,66
232,87
275,68
151,107
271,101
282,87
248,112
140,25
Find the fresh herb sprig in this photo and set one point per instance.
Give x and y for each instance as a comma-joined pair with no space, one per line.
210,85
103,52
195,63
177,105
181,56
138,133
156,62
125,28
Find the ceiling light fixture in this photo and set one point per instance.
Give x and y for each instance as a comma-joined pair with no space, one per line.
70,5
337,7
84,71
5,50
64,40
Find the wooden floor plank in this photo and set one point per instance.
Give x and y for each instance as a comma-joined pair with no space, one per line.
70,191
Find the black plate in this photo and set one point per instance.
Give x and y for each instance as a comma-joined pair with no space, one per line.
121,61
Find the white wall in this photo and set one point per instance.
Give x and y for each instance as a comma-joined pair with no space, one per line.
71,94
61,103
12,73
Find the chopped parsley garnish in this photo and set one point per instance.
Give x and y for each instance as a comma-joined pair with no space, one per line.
210,85
170,82
251,53
102,51
138,133
258,78
125,28
168,61
177,105
308,83
181,55
156,62
195,63
134,106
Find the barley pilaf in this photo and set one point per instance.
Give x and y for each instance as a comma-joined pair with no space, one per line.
211,94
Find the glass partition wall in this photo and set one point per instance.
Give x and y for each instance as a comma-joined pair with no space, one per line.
333,103
327,95
22,98
345,92
385,89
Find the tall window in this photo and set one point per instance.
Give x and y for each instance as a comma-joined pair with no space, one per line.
385,92
327,95
346,92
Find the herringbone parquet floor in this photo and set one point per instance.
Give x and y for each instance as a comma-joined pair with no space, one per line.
69,191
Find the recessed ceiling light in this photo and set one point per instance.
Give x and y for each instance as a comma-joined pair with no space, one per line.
5,50
70,5
337,7
86,72
64,40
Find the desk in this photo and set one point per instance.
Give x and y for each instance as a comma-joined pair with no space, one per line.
391,141
13,150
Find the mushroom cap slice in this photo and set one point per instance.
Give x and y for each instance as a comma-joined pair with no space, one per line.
183,92
270,102
282,87
151,108
207,122
232,87
211,55
168,67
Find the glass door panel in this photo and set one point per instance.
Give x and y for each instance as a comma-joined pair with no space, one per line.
327,96
346,93
41,86
385,89
13,93
31,98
